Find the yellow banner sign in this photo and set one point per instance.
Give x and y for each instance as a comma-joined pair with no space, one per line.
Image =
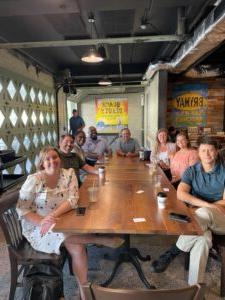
111,112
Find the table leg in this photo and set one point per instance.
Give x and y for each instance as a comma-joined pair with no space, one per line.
130,255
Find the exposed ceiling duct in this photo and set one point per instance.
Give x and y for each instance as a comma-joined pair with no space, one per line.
204,71
207,36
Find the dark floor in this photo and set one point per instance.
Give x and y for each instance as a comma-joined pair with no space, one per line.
100,268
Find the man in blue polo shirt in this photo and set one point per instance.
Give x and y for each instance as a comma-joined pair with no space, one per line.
202,185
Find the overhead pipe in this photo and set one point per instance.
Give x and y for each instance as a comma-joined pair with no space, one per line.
120,62
207,36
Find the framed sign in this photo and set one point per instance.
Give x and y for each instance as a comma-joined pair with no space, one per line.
111,114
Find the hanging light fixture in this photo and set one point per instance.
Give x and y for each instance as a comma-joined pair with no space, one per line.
92,56
105,81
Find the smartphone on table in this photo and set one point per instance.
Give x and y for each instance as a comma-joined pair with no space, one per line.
80,211
179,217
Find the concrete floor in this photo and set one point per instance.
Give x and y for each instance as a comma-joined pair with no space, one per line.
99,269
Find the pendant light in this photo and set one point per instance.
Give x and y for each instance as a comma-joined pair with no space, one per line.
92,56
105,81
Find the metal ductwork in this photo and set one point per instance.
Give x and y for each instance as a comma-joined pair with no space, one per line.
207,36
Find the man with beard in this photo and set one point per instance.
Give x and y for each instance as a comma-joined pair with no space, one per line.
72,160
94,146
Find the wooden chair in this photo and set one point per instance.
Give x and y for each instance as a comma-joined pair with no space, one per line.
21,254
219,246
96,292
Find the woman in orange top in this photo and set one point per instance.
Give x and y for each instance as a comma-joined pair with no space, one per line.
182,159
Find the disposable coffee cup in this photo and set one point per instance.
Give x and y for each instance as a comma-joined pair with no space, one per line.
141,155
101,172
161,199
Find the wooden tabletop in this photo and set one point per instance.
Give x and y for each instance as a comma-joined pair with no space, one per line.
127,192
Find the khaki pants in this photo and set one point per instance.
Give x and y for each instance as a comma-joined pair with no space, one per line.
210,220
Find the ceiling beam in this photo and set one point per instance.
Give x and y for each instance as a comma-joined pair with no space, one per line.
80,77
87,42
37,7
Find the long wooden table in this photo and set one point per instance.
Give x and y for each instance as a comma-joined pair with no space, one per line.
127,192
120,201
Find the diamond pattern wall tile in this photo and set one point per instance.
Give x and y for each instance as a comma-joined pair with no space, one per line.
24,117
53,118
43,138
3,145
40,96
52,100
11,89
28,165
15,144
2,118
54,135
33,117
48,118
46,98
49,136
18,169
32,94
23,92
36,160
26,142
35,140
41,118
13,117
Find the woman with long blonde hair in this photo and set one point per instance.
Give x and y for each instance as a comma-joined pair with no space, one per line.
163,150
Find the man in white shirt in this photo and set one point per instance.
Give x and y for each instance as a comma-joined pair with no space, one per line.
94,146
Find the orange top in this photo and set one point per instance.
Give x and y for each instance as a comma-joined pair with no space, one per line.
181,161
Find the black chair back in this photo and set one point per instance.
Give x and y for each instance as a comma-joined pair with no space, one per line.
9,221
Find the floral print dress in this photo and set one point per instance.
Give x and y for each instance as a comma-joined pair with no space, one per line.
36,197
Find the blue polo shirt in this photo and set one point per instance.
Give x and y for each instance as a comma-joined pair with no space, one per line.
208,186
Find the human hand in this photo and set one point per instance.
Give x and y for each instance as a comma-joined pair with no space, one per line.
163,165
47,222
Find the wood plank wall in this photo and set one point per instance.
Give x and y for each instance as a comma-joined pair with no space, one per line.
216,99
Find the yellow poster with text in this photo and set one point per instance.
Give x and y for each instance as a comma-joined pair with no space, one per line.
111,112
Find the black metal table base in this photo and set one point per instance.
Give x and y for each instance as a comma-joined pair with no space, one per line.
131,255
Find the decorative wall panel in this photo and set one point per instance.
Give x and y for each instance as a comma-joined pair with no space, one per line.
27,119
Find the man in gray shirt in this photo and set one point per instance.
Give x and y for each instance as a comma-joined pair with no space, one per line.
127,146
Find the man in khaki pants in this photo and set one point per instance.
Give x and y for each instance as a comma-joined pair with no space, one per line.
202,185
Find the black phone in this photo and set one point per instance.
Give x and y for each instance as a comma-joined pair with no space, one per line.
179,217
80,211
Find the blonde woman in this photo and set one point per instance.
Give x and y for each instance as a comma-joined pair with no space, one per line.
163,150
44,197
